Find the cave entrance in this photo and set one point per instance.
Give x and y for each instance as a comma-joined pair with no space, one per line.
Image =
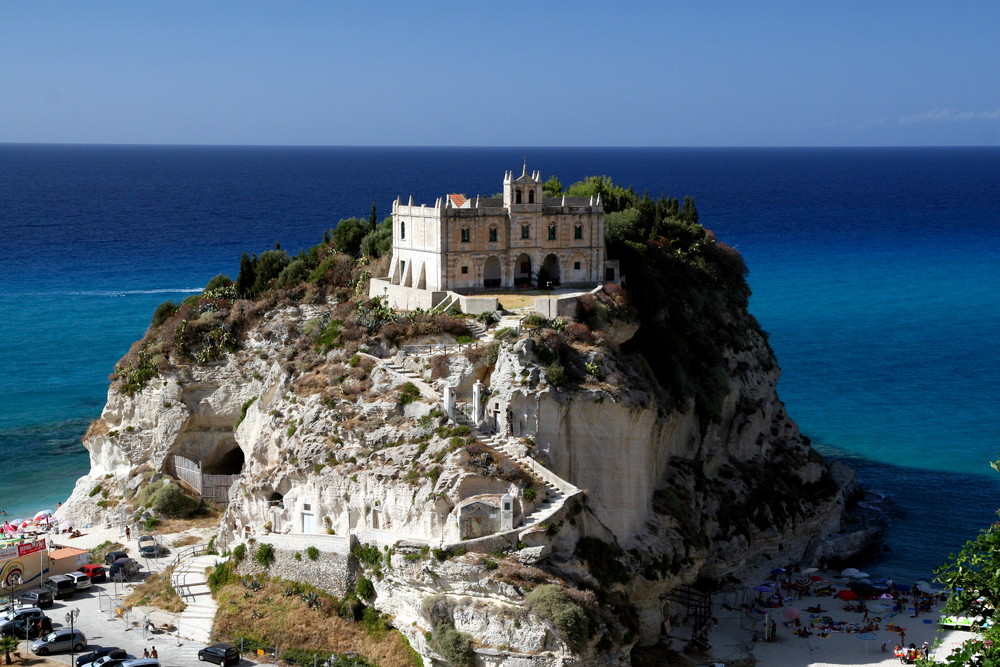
229,462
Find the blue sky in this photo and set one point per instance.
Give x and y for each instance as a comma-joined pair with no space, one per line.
692,73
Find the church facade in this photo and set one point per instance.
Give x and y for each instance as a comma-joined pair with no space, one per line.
520,240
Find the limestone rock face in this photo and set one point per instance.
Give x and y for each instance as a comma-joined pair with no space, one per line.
339,448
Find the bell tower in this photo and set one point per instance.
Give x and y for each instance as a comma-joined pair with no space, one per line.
526,190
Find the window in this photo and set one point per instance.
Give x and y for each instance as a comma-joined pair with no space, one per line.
307,507
578,231
465,269
517,197
576,266
402,230
531,196
465,234
493,234
525,231
552,232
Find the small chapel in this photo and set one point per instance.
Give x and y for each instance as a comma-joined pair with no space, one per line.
521,240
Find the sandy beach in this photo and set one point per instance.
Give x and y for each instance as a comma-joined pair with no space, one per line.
739,633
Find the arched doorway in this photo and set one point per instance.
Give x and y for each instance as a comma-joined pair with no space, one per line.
491,272
522,271
549,273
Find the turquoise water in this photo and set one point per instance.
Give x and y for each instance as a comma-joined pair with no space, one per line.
875,271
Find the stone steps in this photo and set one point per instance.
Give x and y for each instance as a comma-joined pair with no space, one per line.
189,578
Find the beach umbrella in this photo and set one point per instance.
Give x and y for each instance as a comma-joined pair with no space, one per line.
847,595
817,579
850,572
791,613
777,570
25,524
42,514
810,570
763,589
867,637
885,596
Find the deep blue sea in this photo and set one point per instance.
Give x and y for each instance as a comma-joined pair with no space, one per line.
876,272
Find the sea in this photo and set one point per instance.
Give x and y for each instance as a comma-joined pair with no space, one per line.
875,271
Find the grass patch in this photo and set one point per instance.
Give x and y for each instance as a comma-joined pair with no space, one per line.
156,591
297,616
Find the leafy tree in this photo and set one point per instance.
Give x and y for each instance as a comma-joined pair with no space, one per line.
349,233
378,242
247,276
373,217
552,187
269,266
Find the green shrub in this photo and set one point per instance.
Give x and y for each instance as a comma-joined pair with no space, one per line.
408,393
374,623
464,340
246,406
223,575
312,553
170,499
556,375
94,491
550,602
239,552
135,378
164,312
530,494
368,554
454,646
329,338
264,555
365,589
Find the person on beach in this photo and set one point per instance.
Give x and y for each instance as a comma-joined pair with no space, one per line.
152,653
145,652
128,533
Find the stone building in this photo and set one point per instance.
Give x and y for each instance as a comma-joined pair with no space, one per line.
520,240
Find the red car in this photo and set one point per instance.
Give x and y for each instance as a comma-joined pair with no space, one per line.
97,573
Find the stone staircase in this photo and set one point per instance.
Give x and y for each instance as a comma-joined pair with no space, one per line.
557,490
191,582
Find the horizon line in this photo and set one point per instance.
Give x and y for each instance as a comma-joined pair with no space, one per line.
494,147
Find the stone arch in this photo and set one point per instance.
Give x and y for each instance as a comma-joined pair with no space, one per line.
492,272
531,196
522,270
550,265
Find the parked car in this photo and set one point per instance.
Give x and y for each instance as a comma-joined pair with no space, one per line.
220,654
97,573
31,628
10,618
81,580
62,639
90,657
60,586
150,548
125,567
113,556
112,660
36,597
141,662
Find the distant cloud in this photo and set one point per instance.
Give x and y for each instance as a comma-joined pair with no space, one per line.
949,116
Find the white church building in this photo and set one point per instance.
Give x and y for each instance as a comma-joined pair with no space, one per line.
467,246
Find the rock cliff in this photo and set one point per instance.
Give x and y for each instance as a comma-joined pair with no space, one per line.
605,465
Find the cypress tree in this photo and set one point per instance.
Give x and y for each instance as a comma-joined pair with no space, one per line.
248,274
372,219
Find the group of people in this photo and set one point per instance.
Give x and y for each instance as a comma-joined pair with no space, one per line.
150,653
910,653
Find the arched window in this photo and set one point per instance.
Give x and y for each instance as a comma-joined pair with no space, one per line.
402,230
531,196
465,234
525,231
552,232
578,231
493,234
517,197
